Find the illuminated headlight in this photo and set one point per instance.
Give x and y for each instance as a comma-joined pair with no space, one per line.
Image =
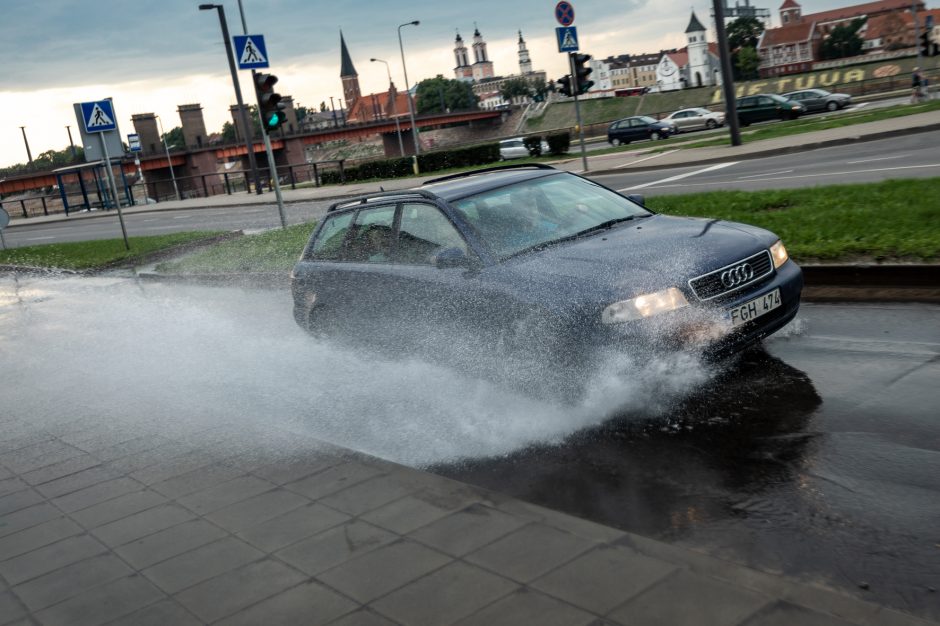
779,253
643,306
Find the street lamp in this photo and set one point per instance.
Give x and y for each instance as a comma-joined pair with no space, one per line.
411,106
168,161
243,113
401,146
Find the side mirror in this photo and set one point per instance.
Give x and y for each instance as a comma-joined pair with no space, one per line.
637,198
452,257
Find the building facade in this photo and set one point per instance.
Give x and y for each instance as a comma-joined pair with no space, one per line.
696,65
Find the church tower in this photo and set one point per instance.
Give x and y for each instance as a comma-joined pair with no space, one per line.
348,75
699,69
482,66
463,70
525,64
790,13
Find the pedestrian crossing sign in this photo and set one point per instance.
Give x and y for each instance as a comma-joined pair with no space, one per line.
567,38
250,52
98,116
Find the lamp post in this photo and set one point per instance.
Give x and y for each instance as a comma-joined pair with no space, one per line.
71,143
411,106
401,146
242,112
169,163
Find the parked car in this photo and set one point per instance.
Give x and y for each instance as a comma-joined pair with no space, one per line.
767,106
640,127
819,99
695,119
538,261
515,149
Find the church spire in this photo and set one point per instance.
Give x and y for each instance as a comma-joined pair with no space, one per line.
348,75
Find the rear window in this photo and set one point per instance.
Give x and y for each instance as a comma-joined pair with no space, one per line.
328,245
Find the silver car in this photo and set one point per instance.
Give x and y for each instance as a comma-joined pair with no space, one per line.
515,149
696,118
820,99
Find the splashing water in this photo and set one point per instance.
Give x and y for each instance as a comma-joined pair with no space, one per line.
152,356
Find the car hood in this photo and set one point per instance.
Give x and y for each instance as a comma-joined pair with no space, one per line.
643,255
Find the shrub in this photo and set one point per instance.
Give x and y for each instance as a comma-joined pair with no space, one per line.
428,162
533,145
558,143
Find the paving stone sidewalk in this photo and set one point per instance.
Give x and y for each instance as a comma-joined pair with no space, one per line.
175,524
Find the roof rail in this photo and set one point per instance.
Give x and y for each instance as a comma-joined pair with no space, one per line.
495,168
363,199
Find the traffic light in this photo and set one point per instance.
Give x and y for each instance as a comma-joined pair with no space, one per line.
564,85
269,102
926,45
581,72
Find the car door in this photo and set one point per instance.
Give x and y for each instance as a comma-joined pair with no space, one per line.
638,129
615,131
682,120
766,109
356,295
745,108
441,305
814,101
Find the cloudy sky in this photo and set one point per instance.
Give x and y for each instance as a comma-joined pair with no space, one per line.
153,55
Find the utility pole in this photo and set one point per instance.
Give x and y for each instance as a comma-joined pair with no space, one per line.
28,153
727,81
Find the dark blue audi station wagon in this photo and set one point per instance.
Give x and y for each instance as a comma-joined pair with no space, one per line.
533,259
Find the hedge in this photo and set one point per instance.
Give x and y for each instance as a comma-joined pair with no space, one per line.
558,143
427,162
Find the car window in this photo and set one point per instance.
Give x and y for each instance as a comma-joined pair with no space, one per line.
424,232
371,239
764,101
328,245
646,120
746,102
516,217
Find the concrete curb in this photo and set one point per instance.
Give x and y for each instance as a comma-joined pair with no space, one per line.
772,151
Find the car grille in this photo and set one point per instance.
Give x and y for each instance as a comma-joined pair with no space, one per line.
732,277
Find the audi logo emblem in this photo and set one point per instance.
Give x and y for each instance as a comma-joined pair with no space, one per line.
737,275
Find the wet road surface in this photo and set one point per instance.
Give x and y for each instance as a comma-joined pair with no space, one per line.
818,457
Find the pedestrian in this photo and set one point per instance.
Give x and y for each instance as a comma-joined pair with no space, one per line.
916,84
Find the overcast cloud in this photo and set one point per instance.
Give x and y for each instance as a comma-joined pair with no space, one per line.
152,55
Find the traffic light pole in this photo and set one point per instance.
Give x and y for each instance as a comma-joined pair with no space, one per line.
577,109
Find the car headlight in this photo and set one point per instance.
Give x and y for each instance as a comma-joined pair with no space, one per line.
643,306
779,253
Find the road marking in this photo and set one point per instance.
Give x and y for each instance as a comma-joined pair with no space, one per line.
655,156
182,217
680,176
765,174
887,158
872,171
38,238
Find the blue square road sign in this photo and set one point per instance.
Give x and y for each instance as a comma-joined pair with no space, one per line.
98,116
567,38
250,52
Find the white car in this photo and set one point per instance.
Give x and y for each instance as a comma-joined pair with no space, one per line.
515,149
696,118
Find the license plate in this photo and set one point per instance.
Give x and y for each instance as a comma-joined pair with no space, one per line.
752,309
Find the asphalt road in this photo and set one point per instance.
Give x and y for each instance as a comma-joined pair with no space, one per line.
907,156
819,458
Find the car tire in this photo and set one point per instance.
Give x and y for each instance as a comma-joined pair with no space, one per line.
615,142
832,106
711,124
655,136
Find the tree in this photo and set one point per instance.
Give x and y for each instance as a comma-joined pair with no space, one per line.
174,137
301,112
746,63
843,41
439,95
228,133
515,87
744,32
323,107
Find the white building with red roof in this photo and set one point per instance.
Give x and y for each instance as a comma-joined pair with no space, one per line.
696,65
794,46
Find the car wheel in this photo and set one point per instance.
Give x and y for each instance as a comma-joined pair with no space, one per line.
615,142
831,106
655,136
711,124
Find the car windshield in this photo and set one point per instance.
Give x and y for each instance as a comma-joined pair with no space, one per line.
538,212
646,119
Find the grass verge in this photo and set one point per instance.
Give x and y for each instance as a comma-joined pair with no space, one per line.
894,220
85,255
270,251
